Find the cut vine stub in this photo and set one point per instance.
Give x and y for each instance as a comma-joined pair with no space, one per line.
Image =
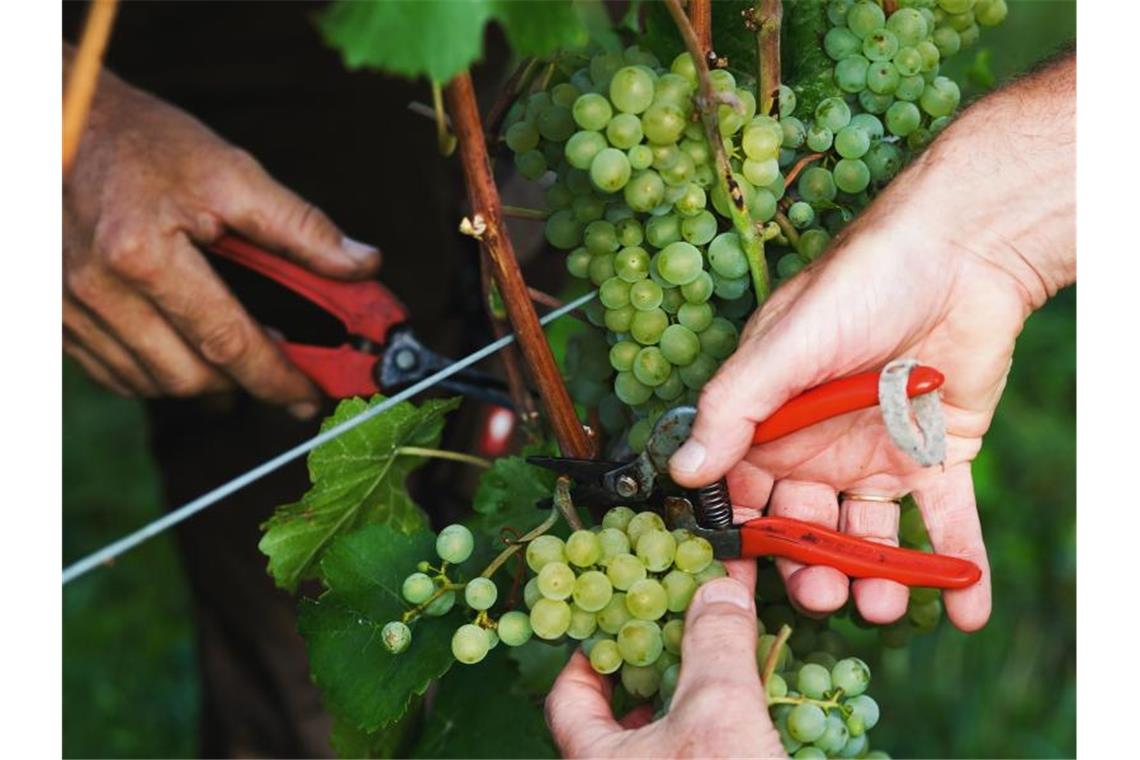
915,426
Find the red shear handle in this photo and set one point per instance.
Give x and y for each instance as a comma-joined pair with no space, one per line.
813,545
837,397
366,308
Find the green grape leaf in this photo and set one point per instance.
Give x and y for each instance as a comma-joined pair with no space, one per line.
476,714
358,478
804,64
362,682
440,39
507,494
539,663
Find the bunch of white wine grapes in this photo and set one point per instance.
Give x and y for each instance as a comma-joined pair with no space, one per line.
633,198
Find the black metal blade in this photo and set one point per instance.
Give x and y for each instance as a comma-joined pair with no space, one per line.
588,476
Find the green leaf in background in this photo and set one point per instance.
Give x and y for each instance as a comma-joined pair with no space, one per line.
476,714
539,663
358,478
361,680
439,39
508,492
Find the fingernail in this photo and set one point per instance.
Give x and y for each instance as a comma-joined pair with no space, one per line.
689,457
725,591
305,410
357,251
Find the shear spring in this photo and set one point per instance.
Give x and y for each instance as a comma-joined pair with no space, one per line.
714,510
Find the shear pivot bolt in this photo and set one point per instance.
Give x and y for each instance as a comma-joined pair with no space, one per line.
626,486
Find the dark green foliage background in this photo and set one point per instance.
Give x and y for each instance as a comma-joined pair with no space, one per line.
1008,691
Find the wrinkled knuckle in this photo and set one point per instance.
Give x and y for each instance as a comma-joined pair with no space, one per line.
240,160
226,343
82,284
309,220
187,384
129,255
716,397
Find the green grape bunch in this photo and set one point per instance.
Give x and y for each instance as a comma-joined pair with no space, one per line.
622,590
633,199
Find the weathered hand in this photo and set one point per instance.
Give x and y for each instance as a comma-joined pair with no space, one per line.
931,272
143,312
718,709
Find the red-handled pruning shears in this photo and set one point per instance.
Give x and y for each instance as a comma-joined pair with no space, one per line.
708,511
382,353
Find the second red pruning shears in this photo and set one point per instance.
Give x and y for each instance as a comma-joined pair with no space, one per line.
707,512
382,353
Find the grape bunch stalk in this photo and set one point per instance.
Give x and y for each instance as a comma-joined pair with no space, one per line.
622,590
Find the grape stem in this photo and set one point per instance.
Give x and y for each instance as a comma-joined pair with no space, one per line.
487,205
443,136
823,704
519,212
514,546
774,653
767,16
742,222
789,229
455,456
565,504
444,587
799,167
700,17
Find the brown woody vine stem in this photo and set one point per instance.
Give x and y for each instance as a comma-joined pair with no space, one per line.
84,75
516,378
487,207
700,17
768,16
742,223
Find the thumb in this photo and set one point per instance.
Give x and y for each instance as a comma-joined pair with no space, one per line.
719,650
272,215
763,373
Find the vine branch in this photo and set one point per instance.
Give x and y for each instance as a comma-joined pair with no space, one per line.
525,408
700,17
742,223
486,207
768,17
80,88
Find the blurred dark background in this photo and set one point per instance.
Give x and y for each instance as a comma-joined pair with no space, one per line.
130,687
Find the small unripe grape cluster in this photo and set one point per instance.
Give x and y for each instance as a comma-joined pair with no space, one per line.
622,590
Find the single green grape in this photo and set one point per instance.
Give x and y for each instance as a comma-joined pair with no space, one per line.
947,41
882,77
794,133
699,229
880,45
583,548
940,97
544,550
835,735
866,708
619,320
726,256
679,263
556,124
556,580
613,542
699,290
884,160
592,591
618,518
851,175
469,644
640,642
396,636
614,293
600,237
833,113
655,549
531,164
650,366
786,97
991,12
563,230
908,25
640,157
869,123
930,55
631,264
601,268
578,263
853,142
762,139
605,657
646,326
865,17
692,202
660,231
851,73
679,345
514,628
806,722
531,594
801,214
679,589
631,89
813,681
819,138
693,554
522,137
695,375
550,618
610,170
646,599
809,752
624,570
592,111
662,123
816,184
480,593
621,355
718,340
644,191
582,623
614,615
672,388
852,675
673,88
454,544
640,682
874,103
839,43
642,522
417,588
789,265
